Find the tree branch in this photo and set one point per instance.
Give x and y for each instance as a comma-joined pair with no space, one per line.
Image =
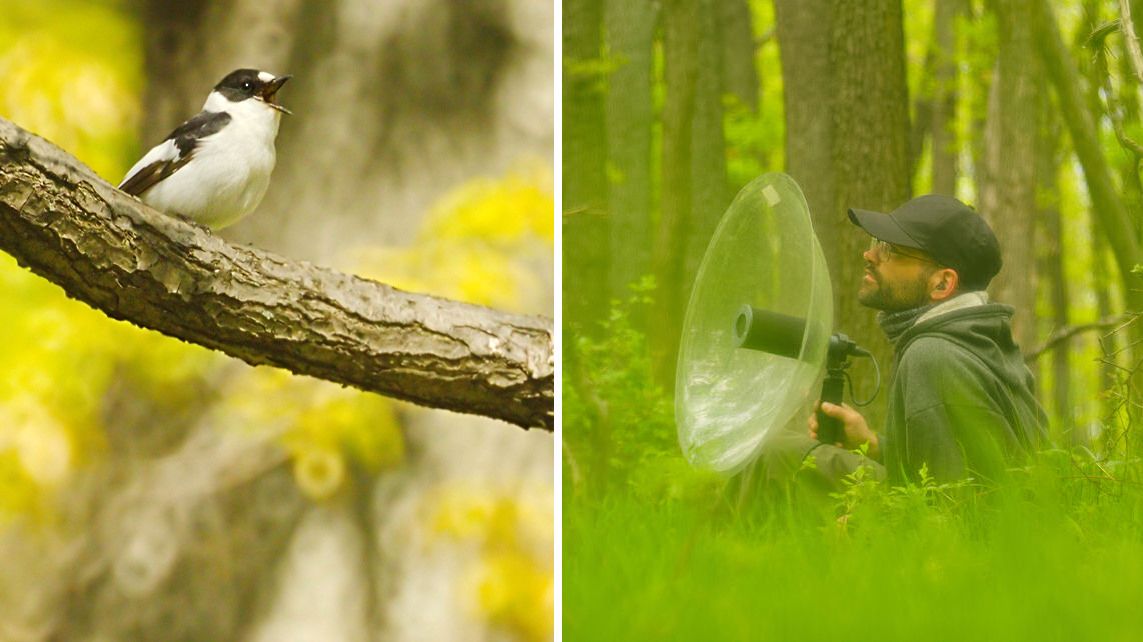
1067,332
1128,28
107,249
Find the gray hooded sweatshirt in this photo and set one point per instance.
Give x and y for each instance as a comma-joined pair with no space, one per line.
961,401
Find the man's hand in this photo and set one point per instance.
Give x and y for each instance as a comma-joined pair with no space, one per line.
856,432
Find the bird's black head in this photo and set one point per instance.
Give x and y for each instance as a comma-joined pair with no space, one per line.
243,84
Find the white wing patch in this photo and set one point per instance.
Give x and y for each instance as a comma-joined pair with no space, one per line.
164,152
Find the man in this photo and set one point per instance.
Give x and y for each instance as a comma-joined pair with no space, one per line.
961,400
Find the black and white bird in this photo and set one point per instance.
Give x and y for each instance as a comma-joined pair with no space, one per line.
214,168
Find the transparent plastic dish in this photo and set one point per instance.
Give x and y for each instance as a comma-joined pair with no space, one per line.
763,254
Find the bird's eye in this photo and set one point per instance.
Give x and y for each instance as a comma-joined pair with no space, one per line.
247,85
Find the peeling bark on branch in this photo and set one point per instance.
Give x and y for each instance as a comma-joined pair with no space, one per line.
107,249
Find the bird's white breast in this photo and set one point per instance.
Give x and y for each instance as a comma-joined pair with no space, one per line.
230,170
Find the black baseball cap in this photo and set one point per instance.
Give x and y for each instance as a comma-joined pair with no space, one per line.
946,229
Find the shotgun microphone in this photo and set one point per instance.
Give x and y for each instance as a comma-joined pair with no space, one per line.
781,334
772,332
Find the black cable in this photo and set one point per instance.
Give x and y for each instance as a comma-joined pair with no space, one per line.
876,387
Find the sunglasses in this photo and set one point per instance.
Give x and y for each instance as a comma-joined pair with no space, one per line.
885,251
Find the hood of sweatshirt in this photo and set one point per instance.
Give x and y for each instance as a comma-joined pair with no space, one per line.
985,330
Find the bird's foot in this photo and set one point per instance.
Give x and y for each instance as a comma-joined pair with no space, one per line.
186,219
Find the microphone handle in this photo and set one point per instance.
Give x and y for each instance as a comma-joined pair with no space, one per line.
830,429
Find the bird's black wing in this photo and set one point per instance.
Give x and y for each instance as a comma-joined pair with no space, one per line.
174,152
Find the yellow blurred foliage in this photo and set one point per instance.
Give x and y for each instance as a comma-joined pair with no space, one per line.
36,455
480,243
322,425
72,73
505,211
514,594
455,269
58,360
510,585
319,472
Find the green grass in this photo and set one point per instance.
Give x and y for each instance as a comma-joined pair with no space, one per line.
1055,556
653,550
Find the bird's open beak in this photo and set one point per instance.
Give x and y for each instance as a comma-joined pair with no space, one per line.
271,89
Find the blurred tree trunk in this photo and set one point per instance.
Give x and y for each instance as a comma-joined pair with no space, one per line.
1102,281
808,94
680,70
944,147
870,147
934,107
694,167
1094,71
1009,197
980,36
1110,344
1115,220
1129,165
708,149
1117,226
739,72
584,163
1054,272
630,28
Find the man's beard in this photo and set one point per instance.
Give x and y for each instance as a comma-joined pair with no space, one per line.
893,297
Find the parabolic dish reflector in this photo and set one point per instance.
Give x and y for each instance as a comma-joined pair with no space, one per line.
764,254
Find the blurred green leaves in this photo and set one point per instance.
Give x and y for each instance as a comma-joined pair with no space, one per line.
619,428
73,73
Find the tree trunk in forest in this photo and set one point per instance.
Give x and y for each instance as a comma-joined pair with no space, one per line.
739,72
808,94
944,99
1129,165
630,30
934,107
584,163
870,148
1115,221
1102,281
1065,412
847,136
1116,225
1054,271
980,68
708,146
680,70
1008,200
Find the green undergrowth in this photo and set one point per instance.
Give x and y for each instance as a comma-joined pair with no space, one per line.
1055,555
654,550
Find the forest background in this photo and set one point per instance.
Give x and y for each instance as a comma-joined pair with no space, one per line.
155,490
1028,110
